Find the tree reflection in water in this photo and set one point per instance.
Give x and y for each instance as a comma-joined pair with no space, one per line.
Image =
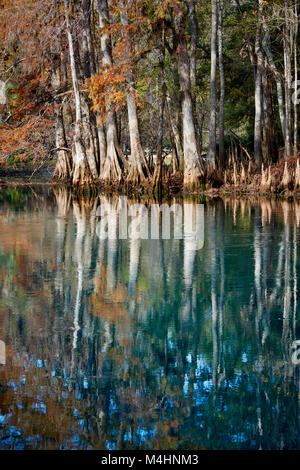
125,344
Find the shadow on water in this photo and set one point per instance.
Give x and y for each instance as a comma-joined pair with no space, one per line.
125,343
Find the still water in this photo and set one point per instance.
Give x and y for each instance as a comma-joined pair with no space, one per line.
147,344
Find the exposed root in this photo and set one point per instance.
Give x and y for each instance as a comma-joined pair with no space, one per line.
82,175
139,170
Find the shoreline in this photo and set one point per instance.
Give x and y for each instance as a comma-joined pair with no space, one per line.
99,188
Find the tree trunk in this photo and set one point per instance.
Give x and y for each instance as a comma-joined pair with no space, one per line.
269,153
258,90
114,162
176,134
139,171
222,87
280,97
193,170
212,151
63,166
288,79
88,56
296,80
84,165
194,37
157,179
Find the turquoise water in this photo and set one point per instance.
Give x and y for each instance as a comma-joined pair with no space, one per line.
153,343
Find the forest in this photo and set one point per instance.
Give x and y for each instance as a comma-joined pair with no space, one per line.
153,93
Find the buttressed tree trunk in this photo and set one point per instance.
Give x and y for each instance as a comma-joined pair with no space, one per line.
138,171
193,170
89,69
63,168
113,162
84,152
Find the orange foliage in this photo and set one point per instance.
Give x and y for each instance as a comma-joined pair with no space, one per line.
108,86
28,44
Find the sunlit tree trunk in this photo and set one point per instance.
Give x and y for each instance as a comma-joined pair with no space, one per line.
193,170
138,171
63,168
222,86
258,89
88,56
212,151
113,163
157,178
194,37
89,69
3,97
82,173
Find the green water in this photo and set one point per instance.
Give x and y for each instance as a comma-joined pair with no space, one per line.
147,344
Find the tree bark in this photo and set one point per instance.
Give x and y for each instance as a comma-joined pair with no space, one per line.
212,150
176,134
194,37
258,90
63,168
157,179
277,77
88,55
82,173
138,171
296,79
288,79
114,162
222,87
193,170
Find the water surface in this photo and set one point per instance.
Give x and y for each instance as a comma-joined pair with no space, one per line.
147,344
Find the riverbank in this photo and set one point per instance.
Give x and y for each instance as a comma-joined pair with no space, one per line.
281,180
